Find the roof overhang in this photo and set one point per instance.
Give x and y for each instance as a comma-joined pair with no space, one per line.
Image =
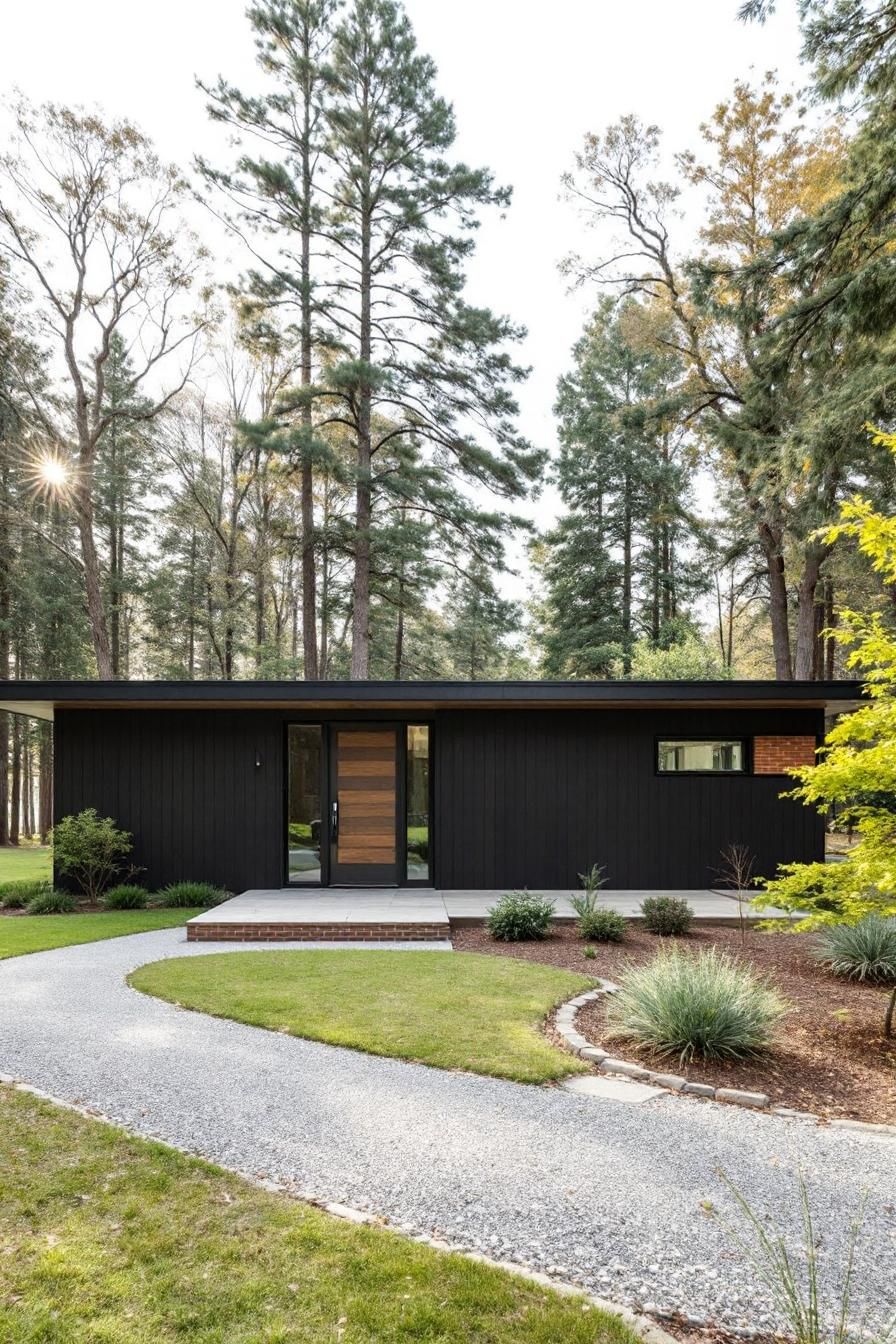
40,699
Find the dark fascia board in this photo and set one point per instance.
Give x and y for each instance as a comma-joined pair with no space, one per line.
41,698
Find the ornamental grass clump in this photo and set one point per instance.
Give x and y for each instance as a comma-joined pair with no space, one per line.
520,916
691,1005
184,895
126,896
864,951
16,895
51,902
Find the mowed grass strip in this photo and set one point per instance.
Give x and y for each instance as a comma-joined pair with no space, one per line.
21,863
108,1238
20,934
451,1009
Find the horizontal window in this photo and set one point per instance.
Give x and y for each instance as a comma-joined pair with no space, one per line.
722,757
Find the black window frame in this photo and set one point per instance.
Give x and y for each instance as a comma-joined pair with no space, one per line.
404,880
746,744
324,878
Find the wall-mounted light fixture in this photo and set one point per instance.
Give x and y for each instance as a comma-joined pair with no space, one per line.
258,760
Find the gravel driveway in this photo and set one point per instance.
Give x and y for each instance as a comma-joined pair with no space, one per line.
609,1191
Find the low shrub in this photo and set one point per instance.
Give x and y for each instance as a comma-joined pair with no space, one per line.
126,896
16,895
180,895
602,926
52,902
666,915
863,951
91,850
689,1004
520,916
589,952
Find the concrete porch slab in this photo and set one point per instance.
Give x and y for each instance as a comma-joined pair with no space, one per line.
397,912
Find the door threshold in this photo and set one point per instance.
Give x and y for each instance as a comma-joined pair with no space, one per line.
362,886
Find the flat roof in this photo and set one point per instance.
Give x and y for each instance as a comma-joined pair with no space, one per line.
41,698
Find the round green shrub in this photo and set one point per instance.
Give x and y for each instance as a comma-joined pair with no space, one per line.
602,926
126,896
704,1004
666,915
520,916
181,895
52,902
863,951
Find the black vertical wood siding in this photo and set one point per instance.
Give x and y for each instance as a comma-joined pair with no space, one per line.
186,784
534,797
521,797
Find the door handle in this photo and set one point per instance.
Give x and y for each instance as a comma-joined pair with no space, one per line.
334,820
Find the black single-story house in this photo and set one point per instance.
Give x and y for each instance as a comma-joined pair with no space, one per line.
456,785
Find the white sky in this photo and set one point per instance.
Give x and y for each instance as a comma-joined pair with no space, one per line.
526,82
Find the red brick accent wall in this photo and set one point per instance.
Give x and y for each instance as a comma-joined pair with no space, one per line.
777,755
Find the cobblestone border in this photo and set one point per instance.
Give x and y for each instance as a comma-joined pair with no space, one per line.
645,1327
565,1023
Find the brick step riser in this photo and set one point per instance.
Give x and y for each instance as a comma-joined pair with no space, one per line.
356,933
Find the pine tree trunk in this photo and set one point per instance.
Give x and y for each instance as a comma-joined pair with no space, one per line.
114,559
830,621
324,668
655,618
15,794
191,621
259,608
310,659
45,782
806,630
93,587
778,611
361,584
27,786
627,580
399,628
5,615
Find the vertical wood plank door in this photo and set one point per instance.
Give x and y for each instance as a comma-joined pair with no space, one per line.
365,791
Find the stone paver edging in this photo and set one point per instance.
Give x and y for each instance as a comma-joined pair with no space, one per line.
645,1327
565,1023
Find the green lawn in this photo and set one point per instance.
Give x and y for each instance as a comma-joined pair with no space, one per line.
453,1010
108,1239
37,933
18,864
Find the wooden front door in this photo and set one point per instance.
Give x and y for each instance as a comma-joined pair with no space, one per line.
364,806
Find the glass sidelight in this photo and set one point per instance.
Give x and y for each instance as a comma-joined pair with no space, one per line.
304,803
417,803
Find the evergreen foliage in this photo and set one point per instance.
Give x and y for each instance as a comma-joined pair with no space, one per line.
621,562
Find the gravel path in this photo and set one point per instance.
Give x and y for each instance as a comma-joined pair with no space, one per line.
610,1192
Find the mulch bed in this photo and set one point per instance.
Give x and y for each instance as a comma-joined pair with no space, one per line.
831,1055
